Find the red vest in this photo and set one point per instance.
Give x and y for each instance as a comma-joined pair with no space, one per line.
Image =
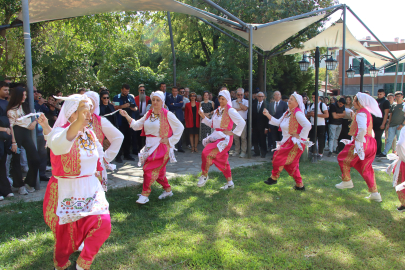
165,131
97,129
188,115
354,129
226,121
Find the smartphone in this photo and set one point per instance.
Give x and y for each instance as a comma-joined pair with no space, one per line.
116,103
18,150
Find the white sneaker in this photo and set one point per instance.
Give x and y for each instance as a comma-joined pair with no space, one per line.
81,247
165,194
242,155
226,186
10,195
202,181
1,198
235,154
48,168
375,197
22,191
29,189
142,199
345,184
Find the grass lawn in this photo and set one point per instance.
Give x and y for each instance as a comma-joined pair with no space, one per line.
253,226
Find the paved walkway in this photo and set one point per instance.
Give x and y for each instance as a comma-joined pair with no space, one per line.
129,174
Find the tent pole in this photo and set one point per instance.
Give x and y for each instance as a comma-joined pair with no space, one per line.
225,33
396,77
28,67
173,51
249,150
265,76
402,80
298,16
368,29
315,146
344,51
326,77
233,17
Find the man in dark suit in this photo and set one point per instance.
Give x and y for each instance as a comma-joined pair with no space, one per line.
260,125
277,109
175,104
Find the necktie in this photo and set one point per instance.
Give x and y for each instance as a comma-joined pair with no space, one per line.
276,106
258,106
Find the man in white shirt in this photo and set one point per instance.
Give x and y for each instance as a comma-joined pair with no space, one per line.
241,105
322,114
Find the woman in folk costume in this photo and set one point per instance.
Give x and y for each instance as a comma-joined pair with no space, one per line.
398,168
295,128
75,207
359,152
162,130
102,127
220,141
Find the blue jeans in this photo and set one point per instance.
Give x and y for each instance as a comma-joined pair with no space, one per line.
334,132
392,131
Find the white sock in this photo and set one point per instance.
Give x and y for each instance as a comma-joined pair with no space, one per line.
78,267
230,183
375,193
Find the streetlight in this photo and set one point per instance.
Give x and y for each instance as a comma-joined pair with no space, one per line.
330,65
351,72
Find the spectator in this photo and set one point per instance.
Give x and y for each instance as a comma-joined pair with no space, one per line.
254,96
192,120
21,136
346,121
246,95
241,105
162,87
141,100
285,99
277,108
260,126
380,122
320,127
39,102
336,114
187,92
199,98
210,96
126,103
53,112
327,101
175,104
391,99
106,107
208,108
5,141
182,92
82,91
396,122
233,95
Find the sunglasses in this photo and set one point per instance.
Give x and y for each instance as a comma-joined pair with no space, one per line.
106,98
35,91
141,90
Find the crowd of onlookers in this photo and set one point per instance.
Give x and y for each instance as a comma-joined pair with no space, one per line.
18,153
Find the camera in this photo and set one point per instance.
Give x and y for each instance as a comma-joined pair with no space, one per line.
132,105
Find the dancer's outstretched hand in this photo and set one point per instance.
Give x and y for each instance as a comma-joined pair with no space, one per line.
123,113
266,113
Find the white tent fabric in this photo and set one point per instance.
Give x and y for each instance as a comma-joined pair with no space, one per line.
268,37
333,37
47,10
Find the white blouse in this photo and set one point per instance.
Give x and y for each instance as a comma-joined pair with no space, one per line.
361,119
400,157
153,128
83,195
114,136
285,122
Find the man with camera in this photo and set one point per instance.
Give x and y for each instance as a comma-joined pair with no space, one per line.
125,102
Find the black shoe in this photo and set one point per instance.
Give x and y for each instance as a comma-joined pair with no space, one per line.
263,156
336,152
180,150
401,208
129,157
329,154
118,159
381,155
270,181
299,188
256,155
44,178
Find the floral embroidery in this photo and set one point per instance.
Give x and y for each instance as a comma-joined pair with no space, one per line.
97,128
77,203
71,161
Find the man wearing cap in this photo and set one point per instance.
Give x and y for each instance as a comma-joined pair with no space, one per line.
336,114
320,130
141,102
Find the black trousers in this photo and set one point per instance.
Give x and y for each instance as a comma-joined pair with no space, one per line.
320,137
43,155
140,140
5,187
276,135
179,145
24,139
378,135
259,141
126,144
134,142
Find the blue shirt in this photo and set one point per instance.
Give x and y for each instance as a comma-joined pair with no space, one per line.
123,100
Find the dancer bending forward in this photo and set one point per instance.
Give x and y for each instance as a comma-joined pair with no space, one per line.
220,141
75,207
359,152
295,128
162,130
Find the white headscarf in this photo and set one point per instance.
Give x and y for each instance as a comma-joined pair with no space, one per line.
369,103
227,95
96,99
300,101
69,107
160,95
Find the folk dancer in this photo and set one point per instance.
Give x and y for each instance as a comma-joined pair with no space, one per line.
103,128
220,141
295,128
75,207
359,152
162,130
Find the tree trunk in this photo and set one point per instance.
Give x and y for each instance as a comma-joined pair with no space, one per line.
260,72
